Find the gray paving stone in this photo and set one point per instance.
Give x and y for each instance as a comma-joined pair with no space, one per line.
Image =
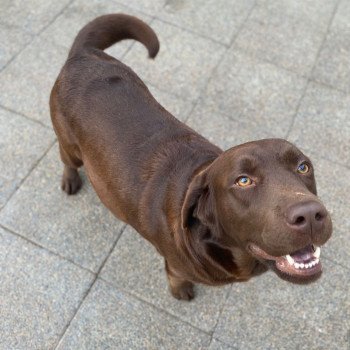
27,81
31,16
322,124
35,70
110,319
331,190
136,267
183,64
12,39
333,66
7,187
268,313
224,131
216,19
76,227
218,345
39,294
254,91
178,107
151,7
64,30
287,33
18,152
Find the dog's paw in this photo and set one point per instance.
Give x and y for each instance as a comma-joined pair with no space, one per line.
72,184
183,292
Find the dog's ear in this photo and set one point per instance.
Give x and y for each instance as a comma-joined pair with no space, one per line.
198,203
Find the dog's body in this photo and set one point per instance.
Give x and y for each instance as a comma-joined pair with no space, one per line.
149,169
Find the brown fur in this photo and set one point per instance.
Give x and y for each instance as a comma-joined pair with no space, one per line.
161,177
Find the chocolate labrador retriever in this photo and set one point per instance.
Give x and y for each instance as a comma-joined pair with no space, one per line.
215,216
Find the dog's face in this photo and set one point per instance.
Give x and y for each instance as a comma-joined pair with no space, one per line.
263,195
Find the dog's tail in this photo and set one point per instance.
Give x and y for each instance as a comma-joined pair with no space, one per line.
106,30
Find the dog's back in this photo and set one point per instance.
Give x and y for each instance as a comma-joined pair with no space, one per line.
106,118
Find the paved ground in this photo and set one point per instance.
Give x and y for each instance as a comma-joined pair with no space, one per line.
74,277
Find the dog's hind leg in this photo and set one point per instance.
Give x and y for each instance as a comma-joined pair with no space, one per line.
71,180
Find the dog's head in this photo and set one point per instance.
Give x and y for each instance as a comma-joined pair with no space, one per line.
262,196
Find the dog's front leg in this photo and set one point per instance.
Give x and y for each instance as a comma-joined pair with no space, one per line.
180,288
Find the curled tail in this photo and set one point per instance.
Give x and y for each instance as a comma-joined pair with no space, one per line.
106,30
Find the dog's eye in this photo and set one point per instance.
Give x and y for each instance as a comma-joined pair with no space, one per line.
244,181
303,168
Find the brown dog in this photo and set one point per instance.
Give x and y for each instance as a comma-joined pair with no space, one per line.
214,216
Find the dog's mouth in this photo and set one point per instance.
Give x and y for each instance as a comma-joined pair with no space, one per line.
303,263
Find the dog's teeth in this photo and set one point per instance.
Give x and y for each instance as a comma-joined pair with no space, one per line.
317,252
317,261
297,265
290,259
302,265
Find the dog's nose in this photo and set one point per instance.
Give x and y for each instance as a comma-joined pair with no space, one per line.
307,216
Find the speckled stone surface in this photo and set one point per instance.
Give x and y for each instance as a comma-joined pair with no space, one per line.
179,66
40,293
18,153
332,193
78,227
218,345
235,71
135,266
65,28
12,39
225,131
151,7
207,18
322,124
255,91
269,313
7,187
111,319
26,83
180,108
333,66
31,16
287,33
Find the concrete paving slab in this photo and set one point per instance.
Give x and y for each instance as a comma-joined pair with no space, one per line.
150,7
136,267
322,124
224,131
250,90
268,313
18,152
333,67
12,40
27,81
40,293
64,30
331,191
183,64
7,187
207,17
110,319
76,227
287,33
180,108
218,345
32,16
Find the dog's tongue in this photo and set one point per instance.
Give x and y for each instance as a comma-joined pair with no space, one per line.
304,254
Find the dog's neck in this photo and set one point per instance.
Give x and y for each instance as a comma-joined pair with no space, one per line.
216,258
